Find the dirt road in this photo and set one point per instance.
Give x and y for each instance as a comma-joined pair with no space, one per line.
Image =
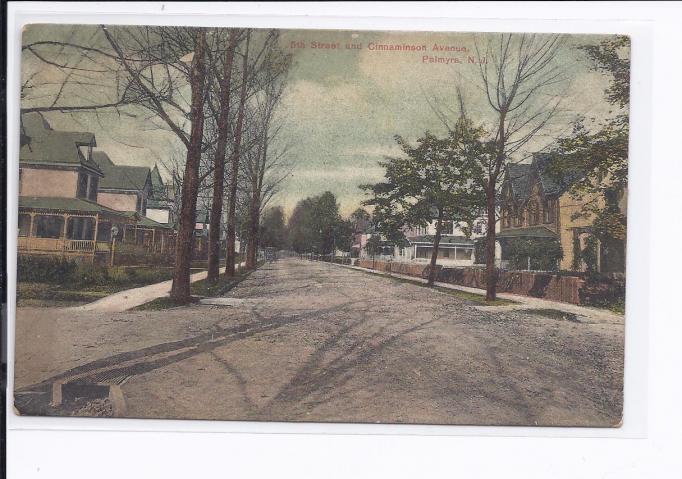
302,341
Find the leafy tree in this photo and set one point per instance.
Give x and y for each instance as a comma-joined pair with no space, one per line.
273,228
343,235
440,178
598,158
518,84
373,245
360,219
535,254
314,224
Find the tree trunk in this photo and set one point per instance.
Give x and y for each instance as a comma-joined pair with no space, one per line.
252,246
491,270
434,252
491,190
254,216
230,256
180,292
219,164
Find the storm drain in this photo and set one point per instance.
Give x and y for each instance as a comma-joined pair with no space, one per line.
82,391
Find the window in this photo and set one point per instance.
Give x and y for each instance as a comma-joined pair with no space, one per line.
518,217
92,190
463,253
49,226
548,211
447,228
506,217
446,253
24,224
80,228
138,206
82,188
533,213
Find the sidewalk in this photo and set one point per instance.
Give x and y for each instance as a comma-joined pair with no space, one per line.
523,302
130,298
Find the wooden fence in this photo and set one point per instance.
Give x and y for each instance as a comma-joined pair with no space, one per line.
552,286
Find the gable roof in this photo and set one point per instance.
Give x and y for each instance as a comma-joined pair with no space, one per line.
159,192
157,181
519,179
120,177
42,145
554,182
521,176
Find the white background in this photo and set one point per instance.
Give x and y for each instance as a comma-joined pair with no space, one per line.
647,445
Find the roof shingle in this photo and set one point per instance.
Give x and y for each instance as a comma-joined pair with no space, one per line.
120,177
41,144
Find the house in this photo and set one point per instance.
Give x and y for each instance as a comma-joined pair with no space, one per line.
456,247
128,189
123,188
59,212
537,206
160,200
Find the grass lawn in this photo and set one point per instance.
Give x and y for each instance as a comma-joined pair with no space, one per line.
474,297
199,289
39,294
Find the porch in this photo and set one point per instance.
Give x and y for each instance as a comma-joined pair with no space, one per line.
66,226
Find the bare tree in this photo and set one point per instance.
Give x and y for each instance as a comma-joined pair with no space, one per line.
232,199
180,291
266,169
225,82
516,76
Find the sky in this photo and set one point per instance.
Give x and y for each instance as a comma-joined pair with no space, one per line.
342,107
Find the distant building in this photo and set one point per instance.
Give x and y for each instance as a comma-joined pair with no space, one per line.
456,247
159,202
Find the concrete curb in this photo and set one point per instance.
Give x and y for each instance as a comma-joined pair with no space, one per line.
117,399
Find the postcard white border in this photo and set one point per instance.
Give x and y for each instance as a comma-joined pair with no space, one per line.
384,16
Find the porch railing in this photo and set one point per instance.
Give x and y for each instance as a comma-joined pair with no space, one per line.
79,246
47,245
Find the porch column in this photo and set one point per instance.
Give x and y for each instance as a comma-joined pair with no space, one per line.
66,227
30,232
94,237
30,226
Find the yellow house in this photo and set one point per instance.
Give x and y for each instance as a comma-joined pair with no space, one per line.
539,207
